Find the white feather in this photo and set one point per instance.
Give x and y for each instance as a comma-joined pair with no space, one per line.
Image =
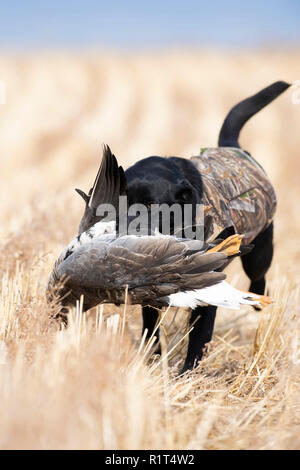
220,295
100,229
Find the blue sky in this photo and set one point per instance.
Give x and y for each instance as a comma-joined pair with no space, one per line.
137,24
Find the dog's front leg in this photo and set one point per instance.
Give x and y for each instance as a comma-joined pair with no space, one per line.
202,319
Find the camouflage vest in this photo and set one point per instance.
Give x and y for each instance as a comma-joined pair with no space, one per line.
236,192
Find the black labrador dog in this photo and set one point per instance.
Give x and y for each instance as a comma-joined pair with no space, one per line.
237,196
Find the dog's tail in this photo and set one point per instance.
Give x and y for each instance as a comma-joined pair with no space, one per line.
244,110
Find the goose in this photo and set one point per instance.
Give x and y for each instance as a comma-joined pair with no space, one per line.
160,270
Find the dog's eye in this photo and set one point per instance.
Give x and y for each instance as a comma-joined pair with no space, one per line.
184,195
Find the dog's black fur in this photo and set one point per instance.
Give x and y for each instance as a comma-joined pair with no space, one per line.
176,180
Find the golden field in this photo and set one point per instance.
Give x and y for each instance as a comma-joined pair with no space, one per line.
94,385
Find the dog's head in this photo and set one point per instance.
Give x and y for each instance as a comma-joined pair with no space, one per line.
160,181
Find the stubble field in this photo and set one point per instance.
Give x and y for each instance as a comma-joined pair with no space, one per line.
95,385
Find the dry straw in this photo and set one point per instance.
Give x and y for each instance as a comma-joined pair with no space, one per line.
95,384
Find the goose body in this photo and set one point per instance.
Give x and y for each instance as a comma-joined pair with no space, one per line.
152,267
158,269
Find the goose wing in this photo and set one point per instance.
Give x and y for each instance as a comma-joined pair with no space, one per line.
110,183
151,267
